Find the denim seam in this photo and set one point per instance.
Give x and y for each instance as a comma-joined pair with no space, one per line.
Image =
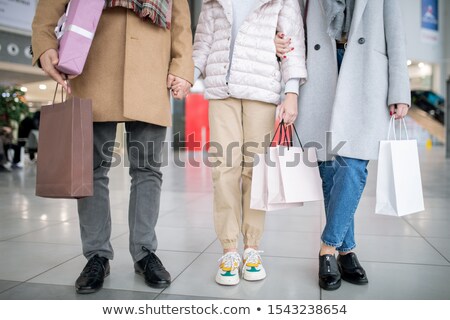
361,189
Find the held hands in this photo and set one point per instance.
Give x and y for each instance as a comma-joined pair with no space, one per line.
400,110
49,60
180,88
283,45
288,110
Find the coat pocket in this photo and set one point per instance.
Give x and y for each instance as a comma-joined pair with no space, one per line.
383,53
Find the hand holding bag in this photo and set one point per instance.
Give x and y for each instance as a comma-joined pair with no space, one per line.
399,183
65,159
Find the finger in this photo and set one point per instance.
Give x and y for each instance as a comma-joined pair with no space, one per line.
392,110
170,79
405,111
401,112
280,112
55,75
177,88
53,55
282,43
68,88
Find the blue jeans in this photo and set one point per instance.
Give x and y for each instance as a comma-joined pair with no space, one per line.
343,182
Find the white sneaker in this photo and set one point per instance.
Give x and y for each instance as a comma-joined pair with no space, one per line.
253,269
228,273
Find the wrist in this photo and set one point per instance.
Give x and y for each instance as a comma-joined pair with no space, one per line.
291,96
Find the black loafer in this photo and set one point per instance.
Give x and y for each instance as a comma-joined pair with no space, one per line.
152,269
92,276
329,275
351,270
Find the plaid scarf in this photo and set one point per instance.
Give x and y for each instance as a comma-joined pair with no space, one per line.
339,15
158,12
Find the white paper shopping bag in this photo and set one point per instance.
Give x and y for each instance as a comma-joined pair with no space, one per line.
300,176
260,190
275,192
258,197
288,176
399,183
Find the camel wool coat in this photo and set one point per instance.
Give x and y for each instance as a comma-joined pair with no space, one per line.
126,71
352,107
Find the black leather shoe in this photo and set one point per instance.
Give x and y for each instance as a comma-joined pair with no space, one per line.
92,276
329,275
351,270
152,269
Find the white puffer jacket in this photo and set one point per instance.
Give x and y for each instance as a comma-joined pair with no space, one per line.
255,72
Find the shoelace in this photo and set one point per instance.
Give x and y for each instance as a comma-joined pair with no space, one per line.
230,258
253,257
153,261
94,265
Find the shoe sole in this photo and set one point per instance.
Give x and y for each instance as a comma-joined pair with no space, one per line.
231,282
254,277
330,288
358,282
156,285
89,291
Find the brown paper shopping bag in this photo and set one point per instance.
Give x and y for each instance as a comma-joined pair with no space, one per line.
65,159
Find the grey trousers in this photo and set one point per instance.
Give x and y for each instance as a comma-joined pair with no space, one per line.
144,147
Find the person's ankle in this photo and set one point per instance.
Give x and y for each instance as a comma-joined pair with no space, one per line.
345,253
324,250
225,251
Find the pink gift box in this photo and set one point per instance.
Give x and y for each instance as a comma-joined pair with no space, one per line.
77,30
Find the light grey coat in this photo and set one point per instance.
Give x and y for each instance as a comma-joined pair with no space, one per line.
354,106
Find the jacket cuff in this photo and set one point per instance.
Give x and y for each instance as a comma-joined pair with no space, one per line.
197,74
182,72
41,46
292,86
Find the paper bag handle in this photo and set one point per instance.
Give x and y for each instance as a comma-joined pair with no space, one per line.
392,128
62,94
298,137
280,128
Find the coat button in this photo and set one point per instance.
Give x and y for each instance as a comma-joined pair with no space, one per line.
317,47
361,41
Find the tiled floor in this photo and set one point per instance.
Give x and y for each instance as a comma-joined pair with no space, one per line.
405,258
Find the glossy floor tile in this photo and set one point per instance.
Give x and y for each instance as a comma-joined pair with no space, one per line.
388,281
282,273
22,261
5,285
405,258
34,291
122,276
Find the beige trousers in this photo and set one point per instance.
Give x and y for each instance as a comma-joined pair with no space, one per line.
238,130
